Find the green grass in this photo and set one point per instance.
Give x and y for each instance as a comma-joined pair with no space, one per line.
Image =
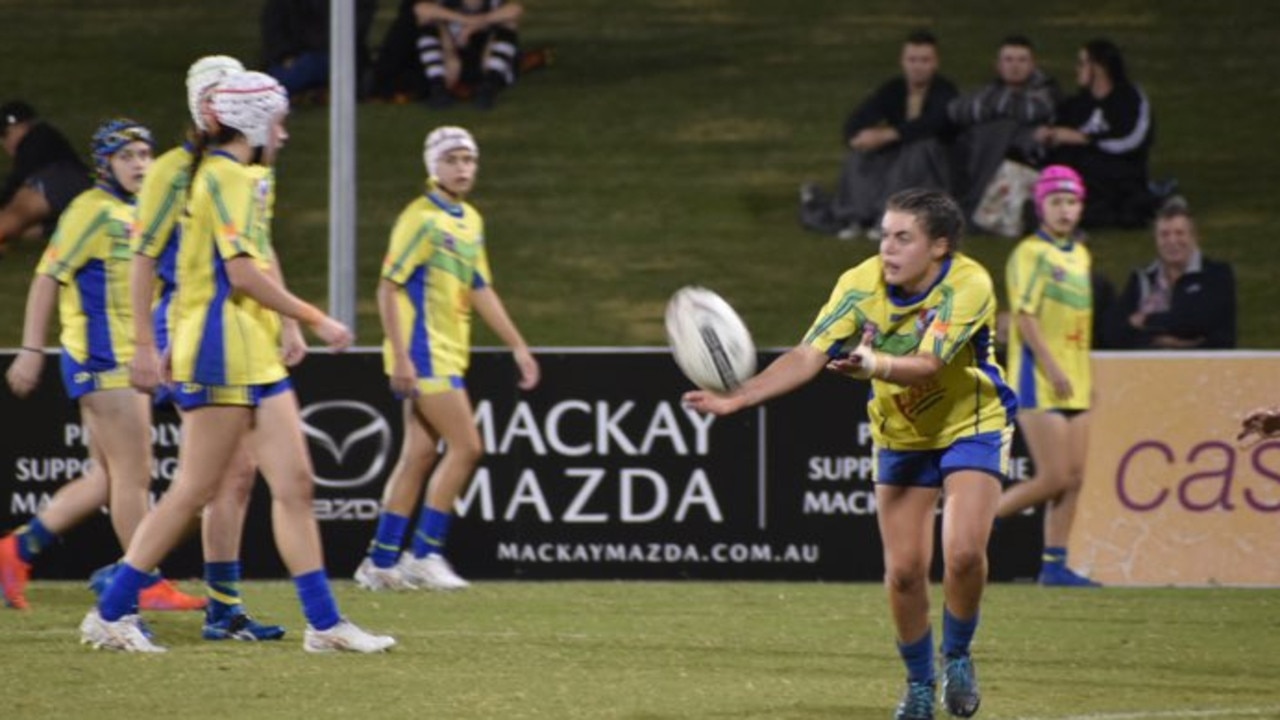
656,651
666,144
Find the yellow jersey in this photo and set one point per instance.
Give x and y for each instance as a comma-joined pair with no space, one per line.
437,255
222,336
161,201
89,257
953,320
1049,278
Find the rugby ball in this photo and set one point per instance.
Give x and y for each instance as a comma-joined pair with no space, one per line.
708,340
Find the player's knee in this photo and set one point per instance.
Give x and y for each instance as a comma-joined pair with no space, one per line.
468,450
294,490
965,561
905,579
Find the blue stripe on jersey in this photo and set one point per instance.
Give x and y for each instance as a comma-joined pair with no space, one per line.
91,281
1027,379
420,341
167,271
211,363
477,280
982,347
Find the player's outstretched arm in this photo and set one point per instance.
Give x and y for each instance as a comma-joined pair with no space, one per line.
795,368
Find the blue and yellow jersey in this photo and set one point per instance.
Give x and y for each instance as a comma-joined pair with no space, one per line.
161,201
221,336
954,320
1049,278
437,255
89,257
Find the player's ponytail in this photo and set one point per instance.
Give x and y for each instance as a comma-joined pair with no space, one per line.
204,140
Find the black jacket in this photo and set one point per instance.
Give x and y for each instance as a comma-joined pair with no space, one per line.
42,146
888,105
1202,305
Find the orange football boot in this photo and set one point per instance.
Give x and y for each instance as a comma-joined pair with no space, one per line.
14,573
164,595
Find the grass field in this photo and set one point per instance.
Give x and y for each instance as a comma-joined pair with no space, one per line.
666,144
653,651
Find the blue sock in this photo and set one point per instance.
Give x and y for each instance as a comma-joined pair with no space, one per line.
32,539
121,596
385,548
152,579
918,657
1054,556
957,634
433,527
222,583
317,600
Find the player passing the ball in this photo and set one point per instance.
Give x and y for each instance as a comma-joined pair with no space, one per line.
435,272
1050,333
921,319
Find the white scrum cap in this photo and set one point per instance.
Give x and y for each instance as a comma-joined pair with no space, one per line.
441,141
249,102
203,75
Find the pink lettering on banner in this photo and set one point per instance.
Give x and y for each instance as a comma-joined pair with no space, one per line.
1170,498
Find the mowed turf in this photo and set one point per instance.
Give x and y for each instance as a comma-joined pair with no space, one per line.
666,144
651,651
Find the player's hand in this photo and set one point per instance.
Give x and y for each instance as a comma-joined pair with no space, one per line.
24,372
404,377
144,369
334,334
862,362
293,346
1061,383
530,373
1263,422
707,402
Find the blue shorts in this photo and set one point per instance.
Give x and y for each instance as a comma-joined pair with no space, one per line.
79,380
985,452
164,396
190,396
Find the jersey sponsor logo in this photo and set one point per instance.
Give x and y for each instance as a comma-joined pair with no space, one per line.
350,442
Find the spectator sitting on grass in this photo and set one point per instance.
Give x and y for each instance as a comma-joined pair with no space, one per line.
896,138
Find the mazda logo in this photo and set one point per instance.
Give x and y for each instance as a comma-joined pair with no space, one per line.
354,437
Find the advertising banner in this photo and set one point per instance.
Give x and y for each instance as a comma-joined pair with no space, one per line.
1171,497
597,473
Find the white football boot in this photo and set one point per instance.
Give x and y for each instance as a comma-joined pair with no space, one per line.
345,636
372,577
123,634
432,572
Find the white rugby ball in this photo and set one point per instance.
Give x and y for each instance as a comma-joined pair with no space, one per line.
709,341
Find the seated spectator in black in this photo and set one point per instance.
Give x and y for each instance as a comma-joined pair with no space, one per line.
295,43
998,121
447,48
1183,299
898,138
1105,131
46,175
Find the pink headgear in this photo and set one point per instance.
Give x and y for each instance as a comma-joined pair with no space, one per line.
1058,178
